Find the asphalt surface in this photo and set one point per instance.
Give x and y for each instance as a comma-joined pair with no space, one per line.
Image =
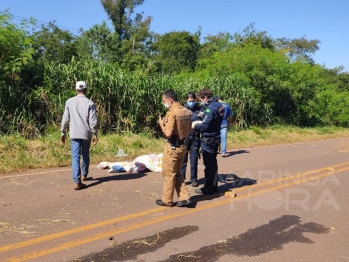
277,203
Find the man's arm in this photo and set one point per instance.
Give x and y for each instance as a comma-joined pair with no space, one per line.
167,132
93,121
65,122
205,122
230,116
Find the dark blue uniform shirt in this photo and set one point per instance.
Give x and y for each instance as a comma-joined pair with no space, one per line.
195,111
212,120
195,142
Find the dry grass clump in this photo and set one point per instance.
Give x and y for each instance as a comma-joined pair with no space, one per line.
23,229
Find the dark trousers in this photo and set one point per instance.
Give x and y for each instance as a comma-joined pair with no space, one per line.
211,170
194,156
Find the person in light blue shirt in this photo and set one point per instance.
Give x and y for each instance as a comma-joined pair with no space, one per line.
228,114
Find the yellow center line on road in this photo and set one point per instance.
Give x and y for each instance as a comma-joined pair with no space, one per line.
79,229
183,212
148,212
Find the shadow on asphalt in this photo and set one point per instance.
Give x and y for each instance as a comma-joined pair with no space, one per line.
228,182
270,237
115,177
233,181
130,250
237,152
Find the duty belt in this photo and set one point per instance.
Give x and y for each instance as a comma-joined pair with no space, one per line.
175,141
211,140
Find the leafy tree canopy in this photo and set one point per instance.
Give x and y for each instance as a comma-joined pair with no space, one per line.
177,51
54,44
298,49
15,47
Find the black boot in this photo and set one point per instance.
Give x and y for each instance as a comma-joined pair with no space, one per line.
205,191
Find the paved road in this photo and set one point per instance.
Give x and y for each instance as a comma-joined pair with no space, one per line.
286,202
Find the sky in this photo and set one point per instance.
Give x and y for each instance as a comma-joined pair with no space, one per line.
324,20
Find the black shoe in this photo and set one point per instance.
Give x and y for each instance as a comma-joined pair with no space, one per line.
183,203
205,191
194,184
161,203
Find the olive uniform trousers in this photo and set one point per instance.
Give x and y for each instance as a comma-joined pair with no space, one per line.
172,161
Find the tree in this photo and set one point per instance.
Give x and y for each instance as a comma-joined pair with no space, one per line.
337,78
100,43
250,35
215,43
131,30
298,49
137,49
15,47
177,51
120,13
54,44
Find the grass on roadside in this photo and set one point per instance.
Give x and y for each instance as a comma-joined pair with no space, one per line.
256,136
19,154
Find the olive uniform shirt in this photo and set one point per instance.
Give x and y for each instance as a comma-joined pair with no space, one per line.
178,119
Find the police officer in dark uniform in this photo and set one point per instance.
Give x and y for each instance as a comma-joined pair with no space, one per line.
194,140
210,138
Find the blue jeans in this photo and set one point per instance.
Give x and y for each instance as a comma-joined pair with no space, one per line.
80,146
224,131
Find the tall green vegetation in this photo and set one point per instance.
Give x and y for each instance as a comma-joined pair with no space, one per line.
16,54
267,81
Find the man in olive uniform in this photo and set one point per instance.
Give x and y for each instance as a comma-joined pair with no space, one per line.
210,139
176,125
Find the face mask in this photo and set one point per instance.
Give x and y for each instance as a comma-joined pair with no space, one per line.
191,104
203,103
166,105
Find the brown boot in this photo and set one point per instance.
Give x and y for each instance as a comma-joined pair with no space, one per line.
80,186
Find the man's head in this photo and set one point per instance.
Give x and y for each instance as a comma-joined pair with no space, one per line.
169,97
191,97
204,95
81,87
220,98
